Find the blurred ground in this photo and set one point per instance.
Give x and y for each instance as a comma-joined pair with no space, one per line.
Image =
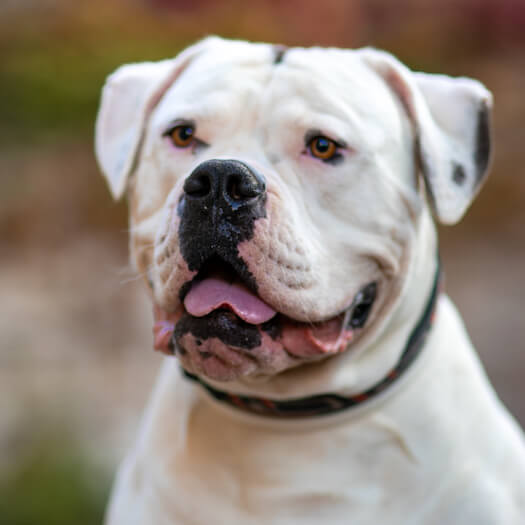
76,364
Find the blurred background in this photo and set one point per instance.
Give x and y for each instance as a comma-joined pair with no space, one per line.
76,363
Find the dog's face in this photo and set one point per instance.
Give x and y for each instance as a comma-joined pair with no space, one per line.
275,200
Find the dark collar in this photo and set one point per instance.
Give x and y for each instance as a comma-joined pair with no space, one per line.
325,404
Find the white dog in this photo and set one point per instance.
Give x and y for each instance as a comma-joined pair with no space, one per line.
280,207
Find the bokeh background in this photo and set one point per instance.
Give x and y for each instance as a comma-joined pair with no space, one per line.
76,364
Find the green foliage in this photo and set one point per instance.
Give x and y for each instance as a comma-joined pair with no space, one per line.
51,90
55,484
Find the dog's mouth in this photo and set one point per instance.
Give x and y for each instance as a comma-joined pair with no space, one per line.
224,329
218,286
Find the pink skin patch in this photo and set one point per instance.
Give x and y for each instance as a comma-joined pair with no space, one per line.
309,340
163,328
216,360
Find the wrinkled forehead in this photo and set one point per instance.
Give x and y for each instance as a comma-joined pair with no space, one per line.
329,75
218,79
335,86
303,87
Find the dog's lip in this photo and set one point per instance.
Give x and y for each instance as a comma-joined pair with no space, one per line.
298,338
217,286
164,324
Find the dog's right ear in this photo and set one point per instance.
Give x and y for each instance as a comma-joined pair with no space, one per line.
450,119
128,98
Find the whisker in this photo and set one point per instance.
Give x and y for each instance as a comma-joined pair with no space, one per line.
129,274
132,279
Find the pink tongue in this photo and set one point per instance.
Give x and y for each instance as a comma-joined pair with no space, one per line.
214,292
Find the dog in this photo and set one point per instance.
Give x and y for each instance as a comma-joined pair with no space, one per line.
282,205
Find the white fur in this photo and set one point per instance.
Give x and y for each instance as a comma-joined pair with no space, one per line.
438,447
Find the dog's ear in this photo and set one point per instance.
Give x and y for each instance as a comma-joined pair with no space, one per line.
451,122
129,96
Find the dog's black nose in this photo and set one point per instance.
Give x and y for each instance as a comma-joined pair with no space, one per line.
221,202
227,184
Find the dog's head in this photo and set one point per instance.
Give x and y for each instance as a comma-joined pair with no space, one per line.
275,194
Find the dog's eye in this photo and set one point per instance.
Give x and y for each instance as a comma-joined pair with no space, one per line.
322,148
182,136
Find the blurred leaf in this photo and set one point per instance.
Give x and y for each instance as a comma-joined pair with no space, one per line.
54,484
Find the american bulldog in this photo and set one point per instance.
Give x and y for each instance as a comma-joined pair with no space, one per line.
281,209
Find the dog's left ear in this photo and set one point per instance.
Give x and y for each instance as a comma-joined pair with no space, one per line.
451,122
128,98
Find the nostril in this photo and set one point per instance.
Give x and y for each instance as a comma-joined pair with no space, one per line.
251,187
233,188
227,183
197,185
244,186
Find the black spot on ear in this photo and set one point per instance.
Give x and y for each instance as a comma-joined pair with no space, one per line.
279,51
483,143
458,174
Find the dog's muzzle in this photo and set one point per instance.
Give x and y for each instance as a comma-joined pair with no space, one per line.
223,328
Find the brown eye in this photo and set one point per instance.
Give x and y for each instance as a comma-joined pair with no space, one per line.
322,148
182,136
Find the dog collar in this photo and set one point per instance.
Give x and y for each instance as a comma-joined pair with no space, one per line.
325,404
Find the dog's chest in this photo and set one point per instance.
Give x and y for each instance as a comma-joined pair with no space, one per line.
243,472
